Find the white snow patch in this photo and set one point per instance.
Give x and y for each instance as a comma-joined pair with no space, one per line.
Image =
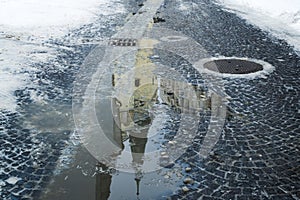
281,18
2,183
15,59
65,159
25,24
187,6
12,180
52,18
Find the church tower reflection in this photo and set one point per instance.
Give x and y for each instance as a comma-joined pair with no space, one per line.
132,119
104,176
103,182
131,111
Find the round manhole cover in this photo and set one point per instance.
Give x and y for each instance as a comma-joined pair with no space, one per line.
233,66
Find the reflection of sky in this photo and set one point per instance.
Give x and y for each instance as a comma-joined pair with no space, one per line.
152,185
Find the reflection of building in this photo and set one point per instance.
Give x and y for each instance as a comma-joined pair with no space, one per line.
133,104
138,146
133,111
142,88
137,90
128,111
183,96
104,178
103,181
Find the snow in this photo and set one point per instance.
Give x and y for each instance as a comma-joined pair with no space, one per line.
53,17
14,58
281,18
12,180
2,183
25,24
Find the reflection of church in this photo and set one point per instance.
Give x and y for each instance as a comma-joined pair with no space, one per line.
129,111
104,177
132,119
103,182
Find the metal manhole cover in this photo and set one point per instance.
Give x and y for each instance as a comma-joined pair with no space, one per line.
233,66
123,42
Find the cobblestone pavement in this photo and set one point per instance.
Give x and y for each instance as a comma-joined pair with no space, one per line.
34,138
257,155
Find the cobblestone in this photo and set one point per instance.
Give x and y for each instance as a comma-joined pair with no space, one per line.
257,155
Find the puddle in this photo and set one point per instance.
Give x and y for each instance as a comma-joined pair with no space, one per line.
48,118
148,99
141,118
84,180
145,124
137,121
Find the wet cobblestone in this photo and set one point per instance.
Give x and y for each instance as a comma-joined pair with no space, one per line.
23,160
31,154
257,155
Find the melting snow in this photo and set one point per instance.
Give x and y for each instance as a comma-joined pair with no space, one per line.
25,24
281,18
12,180
55,17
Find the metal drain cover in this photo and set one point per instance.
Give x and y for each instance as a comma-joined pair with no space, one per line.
233,66
122,42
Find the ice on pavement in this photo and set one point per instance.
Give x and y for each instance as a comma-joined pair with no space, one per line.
24,24
281,18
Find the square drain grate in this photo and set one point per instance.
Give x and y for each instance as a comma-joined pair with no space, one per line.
123,42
